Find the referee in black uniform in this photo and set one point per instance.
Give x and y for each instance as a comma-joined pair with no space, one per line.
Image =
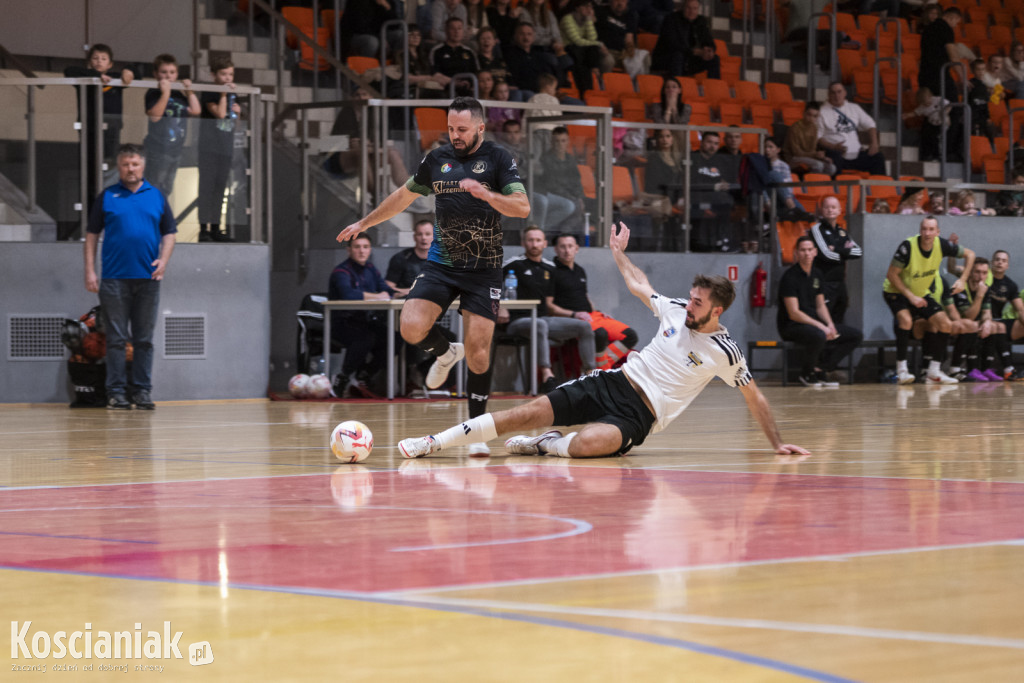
476,182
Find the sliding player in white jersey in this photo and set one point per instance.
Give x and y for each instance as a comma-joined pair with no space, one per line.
621,407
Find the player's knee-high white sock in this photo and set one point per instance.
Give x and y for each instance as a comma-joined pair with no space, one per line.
473,430
559,447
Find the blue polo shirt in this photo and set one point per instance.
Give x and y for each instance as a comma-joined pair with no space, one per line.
134,222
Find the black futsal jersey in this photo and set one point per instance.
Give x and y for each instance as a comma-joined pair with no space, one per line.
1000,295
467,230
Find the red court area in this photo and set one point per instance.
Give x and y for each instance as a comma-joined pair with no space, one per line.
423,527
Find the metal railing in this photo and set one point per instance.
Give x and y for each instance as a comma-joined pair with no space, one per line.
966,151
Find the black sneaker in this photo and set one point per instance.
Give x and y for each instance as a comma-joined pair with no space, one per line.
118,402
220,236
143,401
548,385
810,380
204,236
823,379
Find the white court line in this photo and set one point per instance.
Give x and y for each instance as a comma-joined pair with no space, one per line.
703,620
839,557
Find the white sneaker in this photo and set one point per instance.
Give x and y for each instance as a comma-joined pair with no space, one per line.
905,378
443,364
417,447
530,445
941,378
479,450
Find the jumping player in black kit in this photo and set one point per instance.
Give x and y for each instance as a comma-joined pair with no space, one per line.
476,182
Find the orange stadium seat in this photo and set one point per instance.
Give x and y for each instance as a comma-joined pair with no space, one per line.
649,87
849,195
791,112
691,91
646,41
849,62
975,35
362,64
633,109
307,60
618,85
302,17
622,185
787,232
809,195
588,181
748,92
778,94
762,116
1001,37
432,123
715,91
597,98
980,148
995,171
730,113
886,193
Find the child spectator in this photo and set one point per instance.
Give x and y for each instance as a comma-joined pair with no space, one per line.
498,115
912,202
216,149
881,207
936,204
933,109
167,109
1011,202
100,64
992,77
977,99
963,205
485,84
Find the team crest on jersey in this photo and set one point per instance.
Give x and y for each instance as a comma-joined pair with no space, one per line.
495,293
446,168
479,167
670,332
693,359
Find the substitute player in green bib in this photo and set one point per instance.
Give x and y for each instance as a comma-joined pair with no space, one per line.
911,293
475,183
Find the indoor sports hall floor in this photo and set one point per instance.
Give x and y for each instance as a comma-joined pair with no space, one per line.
894,553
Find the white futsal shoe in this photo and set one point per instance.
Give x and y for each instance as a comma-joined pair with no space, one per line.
905,378
479,450
941,378
531,445
417,447
443,364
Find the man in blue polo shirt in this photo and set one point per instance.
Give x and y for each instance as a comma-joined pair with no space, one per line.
140,235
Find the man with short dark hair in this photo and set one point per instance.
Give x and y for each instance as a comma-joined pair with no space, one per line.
685,46
801,145
526,61
476,183
139,239
561,182
803,318
620,408
1003,296
452,57
839,126
938,47
710,201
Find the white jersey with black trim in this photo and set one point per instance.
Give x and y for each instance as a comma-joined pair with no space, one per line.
679,362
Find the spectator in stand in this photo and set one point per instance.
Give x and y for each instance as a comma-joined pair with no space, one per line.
963,205
933,110
670,108
547,96
730,155
838,128
617,26
440,12
938,46
547,35
612,339
710,201
497,115
488,54
801,146
348,162
359,32
100,64
912,202
476,19
511,138
992,76
978,97
835,247
1011,202
560,179
911,293
167,109
929,13
217,148
804,318
504,18
1013,71
535,278
685,46
452,57
485,83
140,236
662,195
651,13
526,61
422,74
589,55
792,210
364,335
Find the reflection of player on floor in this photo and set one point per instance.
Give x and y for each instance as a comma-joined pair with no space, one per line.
621,407
476,182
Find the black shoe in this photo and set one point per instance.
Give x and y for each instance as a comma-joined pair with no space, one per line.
143,401
823,379
118,402
548,385
810,380
220,236
204,236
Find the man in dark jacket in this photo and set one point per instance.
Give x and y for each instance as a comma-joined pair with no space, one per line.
685,46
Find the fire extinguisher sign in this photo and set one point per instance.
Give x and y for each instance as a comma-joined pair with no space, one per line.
733,273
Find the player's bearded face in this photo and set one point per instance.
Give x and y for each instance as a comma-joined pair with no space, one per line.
464,147
696,323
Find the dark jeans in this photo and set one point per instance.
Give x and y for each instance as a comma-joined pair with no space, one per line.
684,64
129,312
214,170
818,351
872,163
361,338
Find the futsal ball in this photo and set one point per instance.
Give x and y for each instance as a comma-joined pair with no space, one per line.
319,386
298,386
352,441
94,346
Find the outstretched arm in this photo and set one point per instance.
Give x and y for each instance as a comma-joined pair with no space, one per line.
636,280
762,412
394,204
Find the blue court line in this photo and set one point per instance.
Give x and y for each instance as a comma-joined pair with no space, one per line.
80,538
652,639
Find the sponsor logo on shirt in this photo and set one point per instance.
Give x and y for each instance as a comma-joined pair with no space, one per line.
693,359
495,293
669,332
446,168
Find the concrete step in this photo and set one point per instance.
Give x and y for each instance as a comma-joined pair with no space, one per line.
217,27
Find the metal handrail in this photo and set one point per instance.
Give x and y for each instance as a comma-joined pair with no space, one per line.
17,63
966,152
812,50
897,62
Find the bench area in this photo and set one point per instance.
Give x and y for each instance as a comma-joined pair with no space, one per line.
880,345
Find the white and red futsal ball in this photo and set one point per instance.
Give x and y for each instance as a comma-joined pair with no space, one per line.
352,441
298,385
319,386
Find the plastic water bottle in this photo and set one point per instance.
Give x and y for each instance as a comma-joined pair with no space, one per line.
511,285
231,105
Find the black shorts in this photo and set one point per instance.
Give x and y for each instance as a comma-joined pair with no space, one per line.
478,291
897,302
604,396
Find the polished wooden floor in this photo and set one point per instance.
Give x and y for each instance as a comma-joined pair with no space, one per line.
894,553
